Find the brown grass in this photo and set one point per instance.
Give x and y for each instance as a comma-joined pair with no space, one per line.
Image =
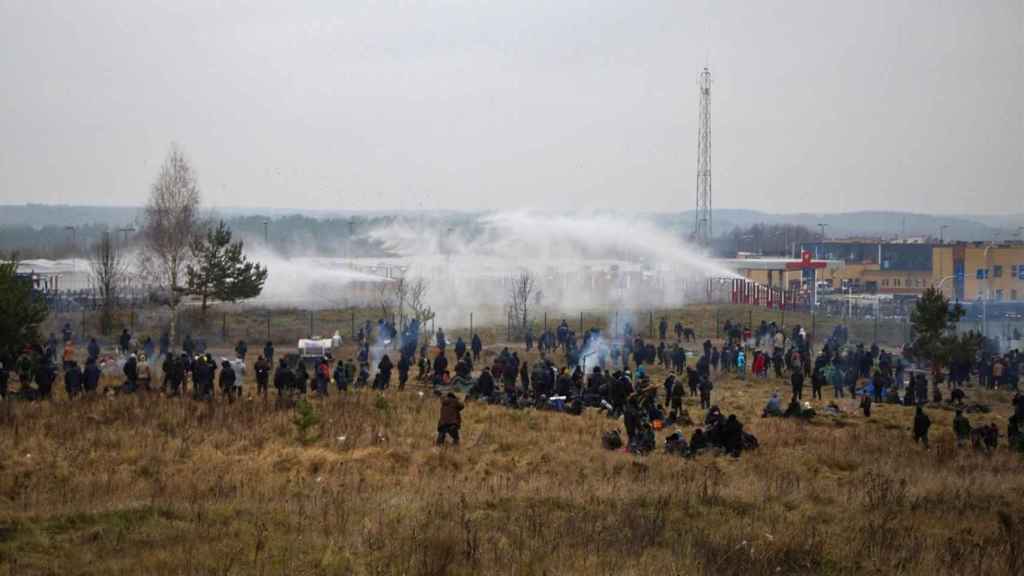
147,485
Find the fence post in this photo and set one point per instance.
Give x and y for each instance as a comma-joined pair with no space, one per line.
545,322
581,322
470,323
310,323
224,326
268,324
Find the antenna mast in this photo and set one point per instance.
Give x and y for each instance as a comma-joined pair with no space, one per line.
702,232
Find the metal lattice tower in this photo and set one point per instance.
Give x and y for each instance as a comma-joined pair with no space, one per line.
702,233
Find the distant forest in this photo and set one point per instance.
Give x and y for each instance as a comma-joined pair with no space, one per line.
59,231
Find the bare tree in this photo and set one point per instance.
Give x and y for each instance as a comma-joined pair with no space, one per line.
108,270
386,297
171,222
417,300
519,299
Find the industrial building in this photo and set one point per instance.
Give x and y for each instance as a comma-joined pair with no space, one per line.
964,271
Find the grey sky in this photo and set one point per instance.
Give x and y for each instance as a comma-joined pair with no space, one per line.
817,106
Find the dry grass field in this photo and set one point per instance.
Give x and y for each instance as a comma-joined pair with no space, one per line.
147,485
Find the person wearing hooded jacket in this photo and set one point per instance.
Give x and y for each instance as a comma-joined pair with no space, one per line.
450,421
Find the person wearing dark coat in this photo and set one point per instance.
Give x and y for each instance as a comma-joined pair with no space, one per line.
91,376
227,380
131,374
73,380
476,346
404,364
698,442
268,352
124,341
93,349
797,380
485,384
705,386
921,424
283,378
384,368
732,436
450,421
440,364
45,375
301,378
262,368
865,405
460,348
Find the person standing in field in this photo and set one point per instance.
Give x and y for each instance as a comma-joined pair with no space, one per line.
450,421
921,424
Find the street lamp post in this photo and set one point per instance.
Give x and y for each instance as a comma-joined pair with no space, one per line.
941,230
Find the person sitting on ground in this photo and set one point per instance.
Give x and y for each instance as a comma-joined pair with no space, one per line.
774,407
713,418
484,386
675,444
643,442
732,436
698,442
793,409
921,424
611,440
450,421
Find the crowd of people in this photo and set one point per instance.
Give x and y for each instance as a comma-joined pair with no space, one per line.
570,373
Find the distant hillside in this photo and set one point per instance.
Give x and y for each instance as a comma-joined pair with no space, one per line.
39,228
875,223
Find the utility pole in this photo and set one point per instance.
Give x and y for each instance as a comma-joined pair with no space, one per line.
266,232
703,232
941,230
125,232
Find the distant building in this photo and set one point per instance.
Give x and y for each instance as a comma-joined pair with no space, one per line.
980,270
964,271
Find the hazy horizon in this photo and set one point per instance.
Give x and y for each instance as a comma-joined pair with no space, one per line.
821,108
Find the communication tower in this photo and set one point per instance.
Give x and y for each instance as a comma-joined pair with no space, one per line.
702,232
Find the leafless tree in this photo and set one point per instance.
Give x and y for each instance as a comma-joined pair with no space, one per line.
386,297
171,221
417,300
519,299
108,269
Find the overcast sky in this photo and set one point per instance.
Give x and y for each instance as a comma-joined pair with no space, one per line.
816,105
